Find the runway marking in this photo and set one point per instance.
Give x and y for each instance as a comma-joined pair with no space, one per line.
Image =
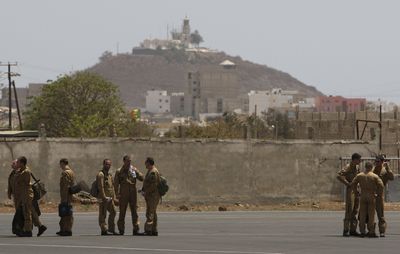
136,249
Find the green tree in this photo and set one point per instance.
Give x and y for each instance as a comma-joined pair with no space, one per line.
79,105
196,38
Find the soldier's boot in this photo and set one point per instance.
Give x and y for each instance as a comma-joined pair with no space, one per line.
354,233
106,233
136,230
25,234
42,228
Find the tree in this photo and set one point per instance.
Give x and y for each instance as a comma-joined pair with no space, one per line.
80,105
196,38
106,55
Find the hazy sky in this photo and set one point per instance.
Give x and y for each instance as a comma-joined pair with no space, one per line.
342,47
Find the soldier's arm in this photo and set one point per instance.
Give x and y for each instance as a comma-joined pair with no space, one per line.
9,188
64,184
116,183
389,174
100,185
380,186
354,183
139,175
114,196
341,175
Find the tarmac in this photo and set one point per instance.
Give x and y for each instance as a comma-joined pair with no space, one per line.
275,232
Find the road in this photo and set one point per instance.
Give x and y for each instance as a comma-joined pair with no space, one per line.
209,232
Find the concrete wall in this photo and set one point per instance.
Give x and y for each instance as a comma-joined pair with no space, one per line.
199,171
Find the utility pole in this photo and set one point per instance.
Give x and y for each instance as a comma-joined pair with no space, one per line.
9,91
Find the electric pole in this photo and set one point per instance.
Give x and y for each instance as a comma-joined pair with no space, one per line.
9,91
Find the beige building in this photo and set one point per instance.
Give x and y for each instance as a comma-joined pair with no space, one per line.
213,91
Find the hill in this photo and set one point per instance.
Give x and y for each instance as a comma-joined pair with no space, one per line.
144,70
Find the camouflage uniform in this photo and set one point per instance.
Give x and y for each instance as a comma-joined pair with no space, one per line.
371,186
106,198
152,197
346,176
125,189
385,174
23,196
66,181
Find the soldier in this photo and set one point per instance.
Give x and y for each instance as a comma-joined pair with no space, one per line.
10,194
383,171
23,195
346,176
152,197
106,198
125,189
66,181
371,186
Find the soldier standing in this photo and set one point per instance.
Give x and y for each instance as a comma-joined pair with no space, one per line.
346,176
106,199
23,195
10,195
371,186
125,189
67,180
152,197
383,170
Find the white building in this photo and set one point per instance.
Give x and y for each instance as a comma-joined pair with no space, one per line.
261,101
158,101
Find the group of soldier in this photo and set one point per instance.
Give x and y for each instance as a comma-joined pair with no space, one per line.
365,194
119,190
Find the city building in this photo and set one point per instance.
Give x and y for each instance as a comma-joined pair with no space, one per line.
213,90
158,101
339,104
177,104
261,101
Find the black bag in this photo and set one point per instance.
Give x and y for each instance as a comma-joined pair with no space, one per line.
75,189
39,190
64,209
163,186
94,190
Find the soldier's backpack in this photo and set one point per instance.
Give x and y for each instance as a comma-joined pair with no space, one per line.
94,190
163,186
38,188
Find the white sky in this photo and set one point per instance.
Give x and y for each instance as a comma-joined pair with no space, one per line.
342,47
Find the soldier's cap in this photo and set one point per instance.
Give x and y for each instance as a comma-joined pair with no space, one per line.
380,158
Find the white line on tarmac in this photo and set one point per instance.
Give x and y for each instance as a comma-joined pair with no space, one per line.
136,249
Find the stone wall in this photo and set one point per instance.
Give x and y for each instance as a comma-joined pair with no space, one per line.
199,170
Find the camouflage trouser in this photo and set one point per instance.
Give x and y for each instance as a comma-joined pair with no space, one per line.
367,214
352,206
128,197
27,212
103,208
151,213
380,212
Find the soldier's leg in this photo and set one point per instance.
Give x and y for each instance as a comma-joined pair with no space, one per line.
348,211
380,214
354,213
102,216
27,211
151,215
363,215
123,205
111,216
371,215
133,207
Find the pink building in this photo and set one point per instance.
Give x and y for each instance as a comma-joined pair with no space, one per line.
339,104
